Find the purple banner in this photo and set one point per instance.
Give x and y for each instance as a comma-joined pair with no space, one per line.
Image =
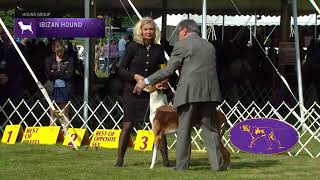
264,136
59,27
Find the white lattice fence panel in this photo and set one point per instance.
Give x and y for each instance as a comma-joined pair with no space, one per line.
108,114
24,113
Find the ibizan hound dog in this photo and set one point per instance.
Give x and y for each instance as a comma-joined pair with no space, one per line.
164,120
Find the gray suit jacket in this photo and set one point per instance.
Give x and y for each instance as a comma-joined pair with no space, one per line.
196,60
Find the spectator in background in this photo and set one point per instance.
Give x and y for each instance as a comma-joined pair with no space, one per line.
2,34
50,47
12,69
312,67
73,53
36,54
98,54
111,54
3,74
60,71
122,47
130,38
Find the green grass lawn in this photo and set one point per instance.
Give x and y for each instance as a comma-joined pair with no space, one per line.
22,161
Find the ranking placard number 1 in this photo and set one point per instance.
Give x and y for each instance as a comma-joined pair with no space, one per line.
11,134
144,141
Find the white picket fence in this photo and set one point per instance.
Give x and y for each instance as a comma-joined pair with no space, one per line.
107,114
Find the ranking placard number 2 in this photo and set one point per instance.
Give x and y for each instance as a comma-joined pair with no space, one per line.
77,135
11,134
144,141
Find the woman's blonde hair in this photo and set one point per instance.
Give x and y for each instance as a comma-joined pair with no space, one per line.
137,30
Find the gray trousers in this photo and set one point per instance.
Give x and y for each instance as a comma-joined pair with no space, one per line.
194,113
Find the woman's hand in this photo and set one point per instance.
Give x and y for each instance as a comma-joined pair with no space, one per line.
138,77
139,86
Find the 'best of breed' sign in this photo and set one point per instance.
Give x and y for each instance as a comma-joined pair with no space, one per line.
264,136
41,135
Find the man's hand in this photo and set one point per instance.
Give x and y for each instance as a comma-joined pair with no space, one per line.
139,86
162,85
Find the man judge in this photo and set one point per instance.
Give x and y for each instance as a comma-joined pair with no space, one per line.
197,93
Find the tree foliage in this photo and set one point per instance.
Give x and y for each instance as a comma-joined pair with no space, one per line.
126,21
8,18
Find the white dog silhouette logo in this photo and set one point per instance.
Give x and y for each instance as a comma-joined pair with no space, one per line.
24,27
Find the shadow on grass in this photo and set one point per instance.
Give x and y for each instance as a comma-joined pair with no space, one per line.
194,162
235,157
202,163
254,164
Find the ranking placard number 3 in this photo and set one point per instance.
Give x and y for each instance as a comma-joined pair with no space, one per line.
144,141
11,134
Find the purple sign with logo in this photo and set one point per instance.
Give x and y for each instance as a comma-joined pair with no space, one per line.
264,136
59,27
